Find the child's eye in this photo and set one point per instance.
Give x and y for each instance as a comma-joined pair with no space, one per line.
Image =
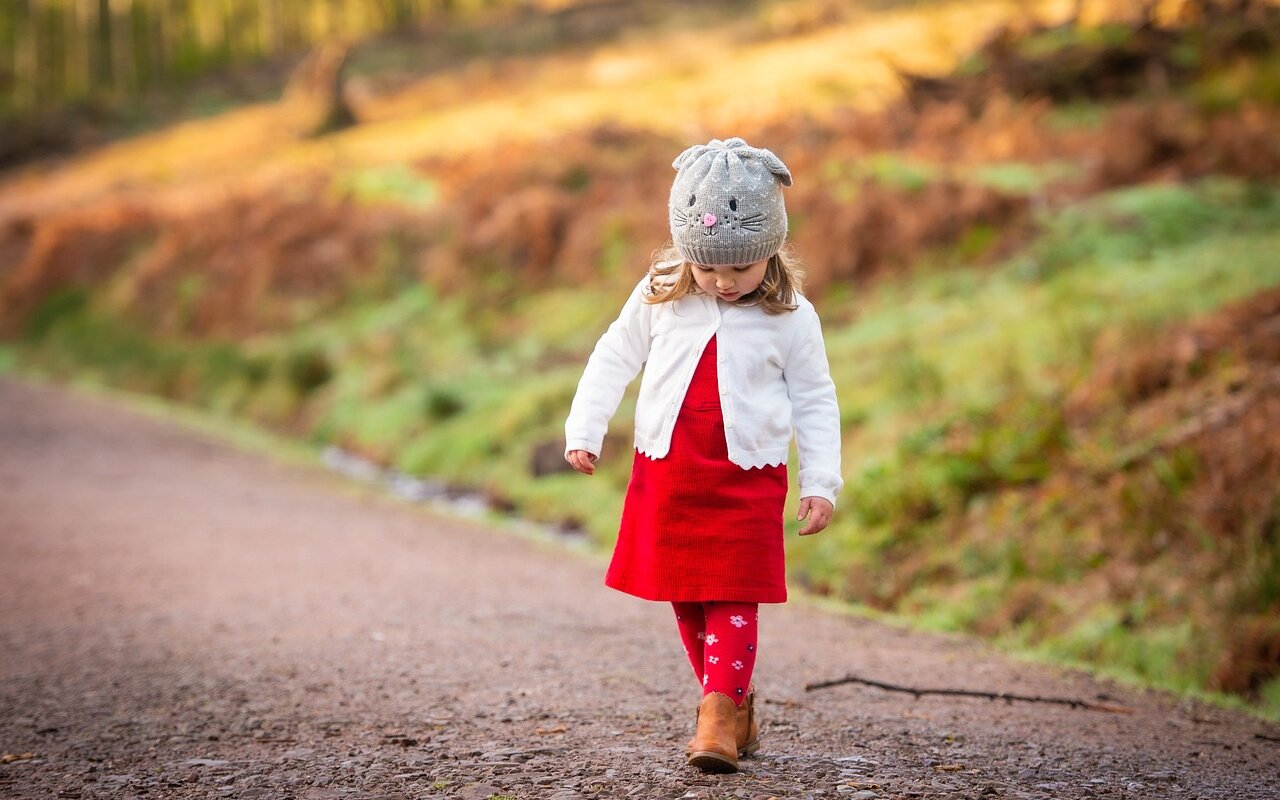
742,269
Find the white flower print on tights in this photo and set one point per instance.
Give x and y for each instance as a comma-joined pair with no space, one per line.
714,659
737,621
737,665
711,638
705,678
701,636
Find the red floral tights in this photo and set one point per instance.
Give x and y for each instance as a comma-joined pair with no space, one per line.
720,640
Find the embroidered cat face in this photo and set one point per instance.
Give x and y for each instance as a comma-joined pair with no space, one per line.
731,218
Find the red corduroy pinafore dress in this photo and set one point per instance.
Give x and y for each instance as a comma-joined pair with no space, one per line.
695,526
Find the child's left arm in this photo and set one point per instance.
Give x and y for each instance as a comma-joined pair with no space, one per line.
815,415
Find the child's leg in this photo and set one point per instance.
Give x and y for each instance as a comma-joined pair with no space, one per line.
693,626
729,648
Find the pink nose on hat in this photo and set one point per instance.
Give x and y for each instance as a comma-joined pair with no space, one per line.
708,219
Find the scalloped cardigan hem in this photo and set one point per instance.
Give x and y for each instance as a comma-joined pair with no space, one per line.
751,460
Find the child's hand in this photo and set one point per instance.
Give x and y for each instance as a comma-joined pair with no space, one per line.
819,511
582,461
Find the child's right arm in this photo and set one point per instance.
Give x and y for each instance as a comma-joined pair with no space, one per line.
615,362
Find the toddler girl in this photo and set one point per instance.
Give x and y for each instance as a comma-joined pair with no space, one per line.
733,359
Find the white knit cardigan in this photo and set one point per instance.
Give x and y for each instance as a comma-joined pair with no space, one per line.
772,370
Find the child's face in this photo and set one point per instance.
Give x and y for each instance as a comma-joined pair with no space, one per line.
729,283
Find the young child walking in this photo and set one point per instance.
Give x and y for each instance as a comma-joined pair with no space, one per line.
733,360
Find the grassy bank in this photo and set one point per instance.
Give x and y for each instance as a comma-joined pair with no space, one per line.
981,498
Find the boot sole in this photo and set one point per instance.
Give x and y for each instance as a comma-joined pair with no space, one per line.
747,750
712,762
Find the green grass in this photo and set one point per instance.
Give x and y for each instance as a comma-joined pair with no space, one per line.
910,175
394,184
958,340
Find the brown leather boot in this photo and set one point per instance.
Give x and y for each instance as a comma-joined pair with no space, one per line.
715,747
745,724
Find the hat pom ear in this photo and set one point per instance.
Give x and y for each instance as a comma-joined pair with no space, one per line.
688,156
742,149
775,166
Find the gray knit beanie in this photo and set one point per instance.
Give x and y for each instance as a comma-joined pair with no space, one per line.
726,204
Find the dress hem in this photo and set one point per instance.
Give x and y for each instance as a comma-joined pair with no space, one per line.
703,595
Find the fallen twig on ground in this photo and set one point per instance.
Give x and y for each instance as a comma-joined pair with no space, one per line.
889,687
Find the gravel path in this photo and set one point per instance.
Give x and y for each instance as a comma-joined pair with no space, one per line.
182,620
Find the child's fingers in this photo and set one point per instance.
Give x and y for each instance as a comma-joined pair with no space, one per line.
581,461
819,512
817,521
805,504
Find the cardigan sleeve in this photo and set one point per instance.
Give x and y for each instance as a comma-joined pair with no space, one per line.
614,363
814,410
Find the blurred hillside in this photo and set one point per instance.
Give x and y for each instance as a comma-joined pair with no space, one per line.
1043,246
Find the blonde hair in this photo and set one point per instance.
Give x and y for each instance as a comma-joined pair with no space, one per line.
783,279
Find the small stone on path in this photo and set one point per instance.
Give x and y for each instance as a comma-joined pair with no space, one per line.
205,762
479,791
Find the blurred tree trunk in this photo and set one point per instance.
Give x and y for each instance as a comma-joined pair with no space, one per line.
24,56
124,69
158,39
103,66
314,98
1077,10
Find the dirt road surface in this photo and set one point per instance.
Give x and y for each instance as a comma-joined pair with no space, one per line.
182,619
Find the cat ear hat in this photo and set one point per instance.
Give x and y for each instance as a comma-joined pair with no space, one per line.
726,205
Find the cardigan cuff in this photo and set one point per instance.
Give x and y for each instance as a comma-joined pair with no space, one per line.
820,483
823,493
